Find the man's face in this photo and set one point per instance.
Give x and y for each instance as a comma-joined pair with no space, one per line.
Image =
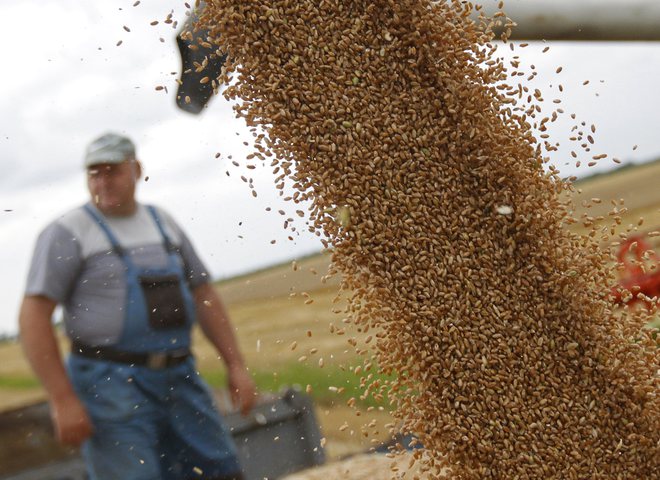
112,186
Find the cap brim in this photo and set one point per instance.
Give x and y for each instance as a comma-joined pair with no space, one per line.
105,159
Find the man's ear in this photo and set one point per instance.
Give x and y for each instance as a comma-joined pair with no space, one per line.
138,169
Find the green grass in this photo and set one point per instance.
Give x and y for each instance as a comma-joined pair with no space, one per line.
18,382
326,382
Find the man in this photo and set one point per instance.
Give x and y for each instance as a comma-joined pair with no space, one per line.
131,286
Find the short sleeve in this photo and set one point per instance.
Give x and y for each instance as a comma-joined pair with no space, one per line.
56,262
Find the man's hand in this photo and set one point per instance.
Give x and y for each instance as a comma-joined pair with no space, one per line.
242,389
71,421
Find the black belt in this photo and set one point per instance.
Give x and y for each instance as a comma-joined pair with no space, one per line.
155,360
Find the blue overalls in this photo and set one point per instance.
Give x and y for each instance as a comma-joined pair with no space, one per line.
138,334
152,421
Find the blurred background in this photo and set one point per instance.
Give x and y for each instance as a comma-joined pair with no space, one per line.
74,70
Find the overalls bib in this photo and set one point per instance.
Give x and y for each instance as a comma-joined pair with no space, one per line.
159,306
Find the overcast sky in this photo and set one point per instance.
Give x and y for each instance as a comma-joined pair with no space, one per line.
65,81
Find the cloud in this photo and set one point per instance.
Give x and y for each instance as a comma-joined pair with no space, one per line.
69,81
620,99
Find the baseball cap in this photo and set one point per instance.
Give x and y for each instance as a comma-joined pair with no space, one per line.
109,148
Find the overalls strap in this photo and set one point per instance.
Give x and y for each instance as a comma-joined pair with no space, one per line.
169,246
116,246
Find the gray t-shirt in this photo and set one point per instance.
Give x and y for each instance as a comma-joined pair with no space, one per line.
73,264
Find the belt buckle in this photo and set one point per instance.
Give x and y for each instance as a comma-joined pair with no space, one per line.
157,360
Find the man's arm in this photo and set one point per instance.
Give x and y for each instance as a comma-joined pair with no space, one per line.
216,326
70,419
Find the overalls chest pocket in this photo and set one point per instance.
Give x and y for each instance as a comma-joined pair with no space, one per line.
164,300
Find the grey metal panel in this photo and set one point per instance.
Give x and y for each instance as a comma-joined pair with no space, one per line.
278,438
612,20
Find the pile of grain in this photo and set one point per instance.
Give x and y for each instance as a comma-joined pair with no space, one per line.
395,119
